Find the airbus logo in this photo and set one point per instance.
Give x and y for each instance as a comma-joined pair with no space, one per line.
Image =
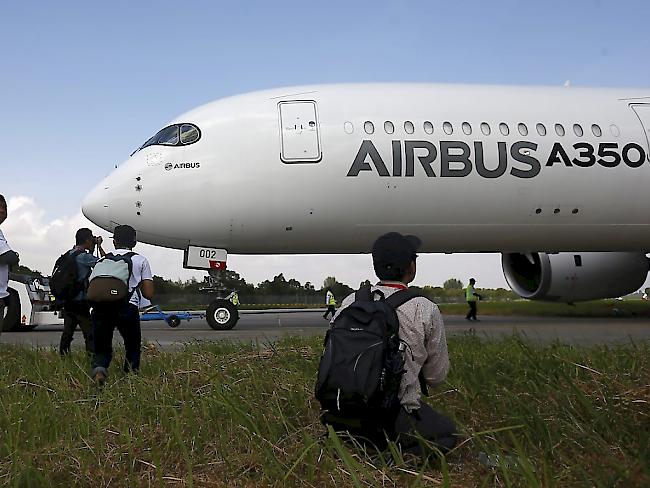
170,166
459,159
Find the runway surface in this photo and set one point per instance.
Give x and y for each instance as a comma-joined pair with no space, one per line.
268,327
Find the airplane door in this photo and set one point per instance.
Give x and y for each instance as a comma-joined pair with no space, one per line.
299,132
643,112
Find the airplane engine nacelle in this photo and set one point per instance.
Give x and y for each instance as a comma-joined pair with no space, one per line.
573,277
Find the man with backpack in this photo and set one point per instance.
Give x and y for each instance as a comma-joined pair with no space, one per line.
68,285
115,289
386,345
7,258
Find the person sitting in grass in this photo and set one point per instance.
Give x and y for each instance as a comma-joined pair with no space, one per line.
424,360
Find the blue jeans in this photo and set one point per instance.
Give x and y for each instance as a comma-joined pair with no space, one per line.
126,318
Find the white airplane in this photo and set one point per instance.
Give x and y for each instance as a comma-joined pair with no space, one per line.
555,179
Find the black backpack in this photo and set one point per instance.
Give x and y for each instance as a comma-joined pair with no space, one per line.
362,365
64,283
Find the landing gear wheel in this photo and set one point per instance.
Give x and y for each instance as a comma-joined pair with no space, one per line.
12,313
173,321
222,314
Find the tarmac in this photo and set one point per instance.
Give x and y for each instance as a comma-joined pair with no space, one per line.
269,326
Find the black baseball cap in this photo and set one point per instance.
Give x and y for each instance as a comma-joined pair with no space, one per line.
125,234
394,250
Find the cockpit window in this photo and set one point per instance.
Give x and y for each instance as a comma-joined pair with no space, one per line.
189,133
174,135
168,136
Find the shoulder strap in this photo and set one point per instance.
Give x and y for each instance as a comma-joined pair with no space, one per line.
399,298
128,257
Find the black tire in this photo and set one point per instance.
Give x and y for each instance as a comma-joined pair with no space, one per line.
173,321
222,315
12,312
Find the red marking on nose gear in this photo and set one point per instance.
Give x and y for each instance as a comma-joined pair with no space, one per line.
217,264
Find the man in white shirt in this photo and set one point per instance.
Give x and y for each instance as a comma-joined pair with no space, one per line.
7,258
124,316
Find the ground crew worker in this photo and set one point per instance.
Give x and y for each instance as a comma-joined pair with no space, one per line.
7,258
330,301
422,331
77,311
471,296
123,316
234,298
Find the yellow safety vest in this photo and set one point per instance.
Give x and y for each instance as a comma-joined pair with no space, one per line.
469,293
235,299
330,299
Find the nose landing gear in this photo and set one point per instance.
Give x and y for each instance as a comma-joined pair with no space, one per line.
221,314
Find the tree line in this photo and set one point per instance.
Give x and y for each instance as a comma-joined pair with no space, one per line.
283,290
288,291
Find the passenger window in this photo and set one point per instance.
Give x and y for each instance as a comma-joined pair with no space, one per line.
389,128
348,127
523,130
485,128
189,133
428,127
541,129
448,128
168,136
615,130
503,127
369,127
577,129
596,130
559,129
467,129
409,128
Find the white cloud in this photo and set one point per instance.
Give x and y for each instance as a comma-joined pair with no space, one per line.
39,241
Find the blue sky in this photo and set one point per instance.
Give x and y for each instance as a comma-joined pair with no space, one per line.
82,84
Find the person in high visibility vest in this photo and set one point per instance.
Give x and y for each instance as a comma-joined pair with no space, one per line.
330,301
234,299
471,296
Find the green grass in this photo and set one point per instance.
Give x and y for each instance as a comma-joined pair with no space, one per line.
243,415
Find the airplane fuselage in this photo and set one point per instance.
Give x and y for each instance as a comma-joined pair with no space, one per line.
326,169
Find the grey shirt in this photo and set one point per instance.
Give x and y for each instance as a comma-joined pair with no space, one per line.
422,328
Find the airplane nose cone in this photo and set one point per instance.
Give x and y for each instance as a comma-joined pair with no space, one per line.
95,206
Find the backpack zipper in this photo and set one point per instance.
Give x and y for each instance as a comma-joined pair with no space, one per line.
363,352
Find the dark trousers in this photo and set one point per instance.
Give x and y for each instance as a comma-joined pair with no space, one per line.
424,423
76,313
126,319
472,311
330,309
